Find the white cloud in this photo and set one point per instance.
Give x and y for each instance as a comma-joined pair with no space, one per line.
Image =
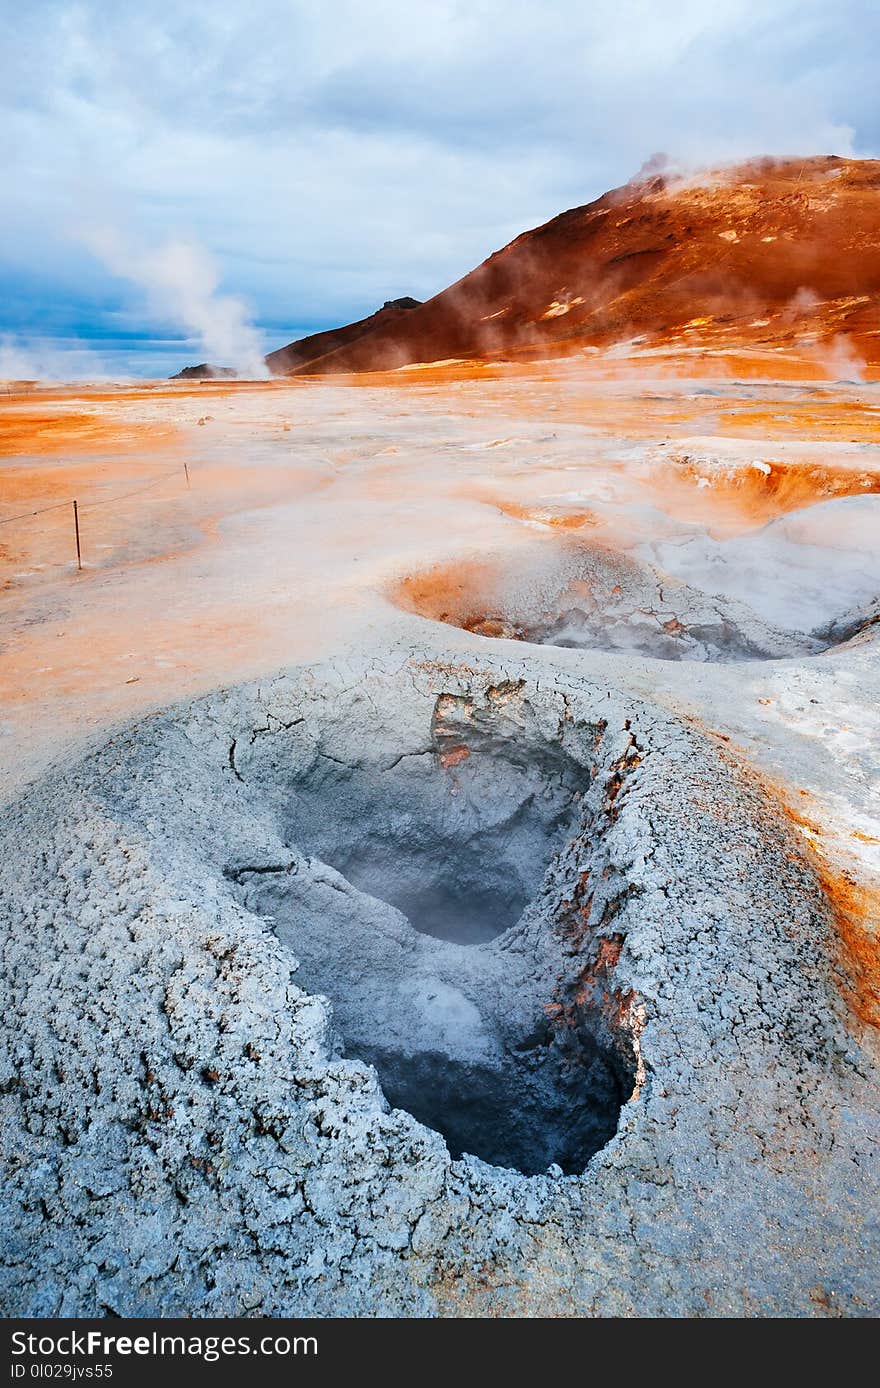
329,156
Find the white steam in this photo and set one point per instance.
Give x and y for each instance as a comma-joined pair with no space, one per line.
40,359
181,283
841,360
798,572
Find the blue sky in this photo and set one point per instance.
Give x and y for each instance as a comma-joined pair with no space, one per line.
180,176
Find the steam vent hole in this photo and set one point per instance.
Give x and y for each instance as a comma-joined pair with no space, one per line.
414,872
587,598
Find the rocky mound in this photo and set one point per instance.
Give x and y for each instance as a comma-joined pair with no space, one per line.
206,372
310,349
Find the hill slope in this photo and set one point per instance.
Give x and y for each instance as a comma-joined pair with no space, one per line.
308,349
775,253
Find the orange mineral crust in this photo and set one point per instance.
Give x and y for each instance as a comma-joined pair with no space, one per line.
32,430
760,491
855,908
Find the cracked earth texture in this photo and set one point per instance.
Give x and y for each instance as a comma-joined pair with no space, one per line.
197,1123
439,974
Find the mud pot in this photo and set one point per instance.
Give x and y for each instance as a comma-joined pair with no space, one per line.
589,597
421,987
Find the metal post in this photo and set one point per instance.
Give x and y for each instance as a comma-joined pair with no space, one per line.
79,562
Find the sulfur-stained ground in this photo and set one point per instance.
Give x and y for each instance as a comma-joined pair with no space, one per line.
675,810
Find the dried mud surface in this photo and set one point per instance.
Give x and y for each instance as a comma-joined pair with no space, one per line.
369,950
178,1108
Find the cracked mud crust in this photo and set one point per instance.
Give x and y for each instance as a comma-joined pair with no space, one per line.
601,959
588,597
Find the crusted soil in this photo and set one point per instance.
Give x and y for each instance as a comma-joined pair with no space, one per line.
422,987
589,597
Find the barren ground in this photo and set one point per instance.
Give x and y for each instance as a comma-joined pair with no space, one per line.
614,620
309,501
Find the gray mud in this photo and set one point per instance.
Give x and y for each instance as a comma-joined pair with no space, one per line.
415,987
588,597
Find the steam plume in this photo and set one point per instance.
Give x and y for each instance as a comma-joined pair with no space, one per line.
40,359
181,282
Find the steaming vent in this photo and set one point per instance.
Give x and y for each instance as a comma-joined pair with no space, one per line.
591,598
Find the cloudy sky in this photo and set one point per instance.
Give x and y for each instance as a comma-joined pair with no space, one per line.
177,172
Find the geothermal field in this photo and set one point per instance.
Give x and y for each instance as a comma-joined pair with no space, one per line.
440,825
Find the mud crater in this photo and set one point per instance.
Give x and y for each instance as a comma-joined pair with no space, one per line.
423,908
588,597
456,837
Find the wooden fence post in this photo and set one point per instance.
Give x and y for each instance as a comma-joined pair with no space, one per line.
79,562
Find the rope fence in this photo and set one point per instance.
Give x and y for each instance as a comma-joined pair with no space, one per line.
79,507
26,515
